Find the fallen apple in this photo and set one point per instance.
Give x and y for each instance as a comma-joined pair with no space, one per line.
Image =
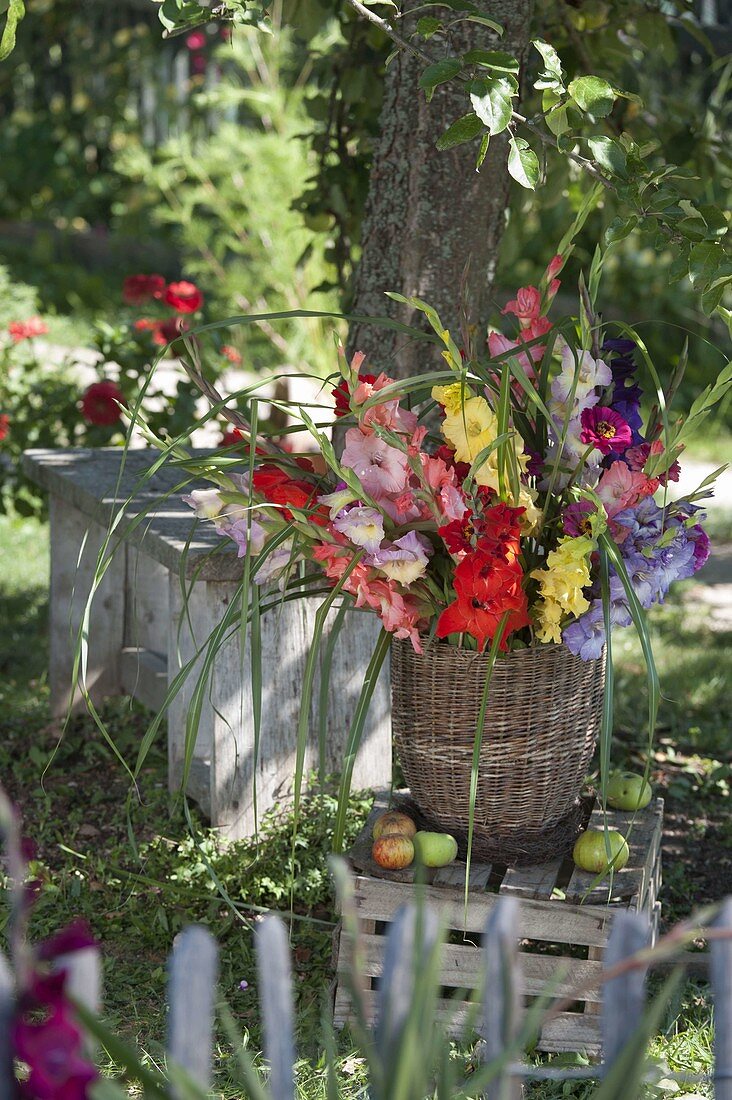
393,851
591,854
628,791
393,821
435,849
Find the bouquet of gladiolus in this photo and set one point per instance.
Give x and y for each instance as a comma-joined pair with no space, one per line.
515,498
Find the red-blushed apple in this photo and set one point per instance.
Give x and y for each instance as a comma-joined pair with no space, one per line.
394,821
393,851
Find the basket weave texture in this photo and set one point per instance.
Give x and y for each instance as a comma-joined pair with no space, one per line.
543,718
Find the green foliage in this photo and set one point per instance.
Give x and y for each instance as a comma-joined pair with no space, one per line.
226,201
14,11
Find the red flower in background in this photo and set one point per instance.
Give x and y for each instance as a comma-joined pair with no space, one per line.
184,297
231,354
25,330
4,426
167,331
140,288
196,40
342,394
99,403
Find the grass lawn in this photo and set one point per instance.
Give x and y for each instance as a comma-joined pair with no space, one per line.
127,862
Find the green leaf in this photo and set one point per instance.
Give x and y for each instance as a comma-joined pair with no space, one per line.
463,129
491,101
620,228
557,120
523,163
704,259
439,73
486,22
715,219
492,59
593,94
482,152
428,25
16,11
609,154
712,296
550,57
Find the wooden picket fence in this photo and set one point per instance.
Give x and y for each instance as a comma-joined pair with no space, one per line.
414,933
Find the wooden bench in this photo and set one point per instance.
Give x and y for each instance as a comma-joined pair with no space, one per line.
141,632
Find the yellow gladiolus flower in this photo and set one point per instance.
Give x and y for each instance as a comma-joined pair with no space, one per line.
453,397
469,430
547,616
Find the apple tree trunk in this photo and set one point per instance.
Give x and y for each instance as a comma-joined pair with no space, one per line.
430,213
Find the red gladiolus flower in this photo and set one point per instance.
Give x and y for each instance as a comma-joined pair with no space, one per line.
26,330
606,430
231,436
184,297
231,354
140,288
4,426
487,588
342,394
99,403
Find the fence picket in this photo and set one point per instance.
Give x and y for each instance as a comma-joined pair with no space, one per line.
501,1001
193,973
624,996
276,1003
7,1012
412,936
721,977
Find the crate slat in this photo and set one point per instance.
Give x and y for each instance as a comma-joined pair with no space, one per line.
378,899
454,875
531,882
458,969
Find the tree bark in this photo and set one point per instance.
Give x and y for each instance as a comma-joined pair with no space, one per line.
429,213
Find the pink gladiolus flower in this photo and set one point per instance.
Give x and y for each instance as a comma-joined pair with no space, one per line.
452,503
620,487
606,430
554,266
380,468
526,305
498,344
52,1049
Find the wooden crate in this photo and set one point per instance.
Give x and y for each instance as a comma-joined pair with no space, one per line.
565,922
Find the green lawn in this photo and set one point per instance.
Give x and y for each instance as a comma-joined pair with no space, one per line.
127,861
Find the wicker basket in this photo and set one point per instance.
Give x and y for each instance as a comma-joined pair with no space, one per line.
542,722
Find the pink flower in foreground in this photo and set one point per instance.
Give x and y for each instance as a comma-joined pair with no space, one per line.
606,430
526,305
619,488
26,330
380,468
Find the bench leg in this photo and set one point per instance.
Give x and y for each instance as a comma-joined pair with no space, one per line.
71,581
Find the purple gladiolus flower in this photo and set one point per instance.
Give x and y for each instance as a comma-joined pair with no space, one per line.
52,1050
363,526
74,937
404,560
702,547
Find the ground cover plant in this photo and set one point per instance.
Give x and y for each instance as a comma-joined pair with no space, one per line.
136,896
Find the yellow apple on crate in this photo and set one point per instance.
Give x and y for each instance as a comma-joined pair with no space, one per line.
628,791
590,853
394,821
435,849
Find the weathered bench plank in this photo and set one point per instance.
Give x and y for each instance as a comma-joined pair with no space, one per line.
167,586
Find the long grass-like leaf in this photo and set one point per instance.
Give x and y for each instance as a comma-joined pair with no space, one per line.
354,734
